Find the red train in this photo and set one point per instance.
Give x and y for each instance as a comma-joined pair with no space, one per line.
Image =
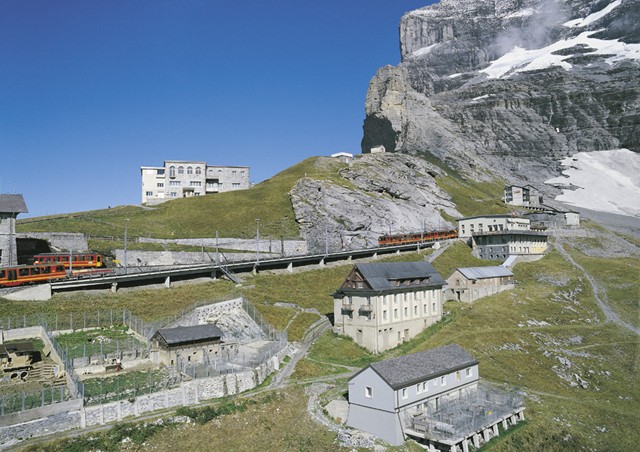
29,274
416,237
80,260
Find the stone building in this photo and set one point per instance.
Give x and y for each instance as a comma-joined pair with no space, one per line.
10,207
190,343
381,305
184,179
470,283
434,396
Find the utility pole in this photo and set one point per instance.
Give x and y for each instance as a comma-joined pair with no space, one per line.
326,239
282,236
257,240
126,221
217,249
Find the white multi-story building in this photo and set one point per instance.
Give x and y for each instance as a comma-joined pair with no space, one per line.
381,305
183,179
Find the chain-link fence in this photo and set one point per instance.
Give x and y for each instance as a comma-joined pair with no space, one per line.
23,400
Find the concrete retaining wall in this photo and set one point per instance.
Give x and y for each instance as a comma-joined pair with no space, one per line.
70,415
291,247
140,258
60,240
39,292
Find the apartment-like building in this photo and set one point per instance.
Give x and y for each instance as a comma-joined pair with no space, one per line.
184,179
525,195
467,284
381,305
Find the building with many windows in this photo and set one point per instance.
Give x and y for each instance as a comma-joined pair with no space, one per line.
183,179
381,305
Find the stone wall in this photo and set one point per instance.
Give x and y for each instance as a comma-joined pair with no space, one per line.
138,258
60,240
291,247
69,415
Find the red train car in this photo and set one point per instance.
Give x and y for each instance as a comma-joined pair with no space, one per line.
31,274
80,260
416,237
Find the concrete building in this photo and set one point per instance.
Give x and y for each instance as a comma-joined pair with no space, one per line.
491,223
189,343
183,179
496,237
381,305
434,396
526,195
555,219
10,207
470,283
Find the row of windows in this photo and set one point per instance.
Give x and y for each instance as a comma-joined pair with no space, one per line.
190,170
396,311
425,385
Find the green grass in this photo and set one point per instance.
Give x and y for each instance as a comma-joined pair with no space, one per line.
457,255
233,213
96,341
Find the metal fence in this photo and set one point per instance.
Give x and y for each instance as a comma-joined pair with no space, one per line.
128,386
470,411
22,401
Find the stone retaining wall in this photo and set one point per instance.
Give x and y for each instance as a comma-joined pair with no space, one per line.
61,240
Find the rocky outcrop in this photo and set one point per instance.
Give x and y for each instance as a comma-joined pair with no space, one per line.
375,194
510,86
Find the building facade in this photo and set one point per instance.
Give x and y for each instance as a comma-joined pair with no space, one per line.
526,195
384,396
192,344
381,305
435,397
470,283
10,206
491,223
184,179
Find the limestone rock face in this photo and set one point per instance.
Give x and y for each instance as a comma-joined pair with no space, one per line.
510,86
376,194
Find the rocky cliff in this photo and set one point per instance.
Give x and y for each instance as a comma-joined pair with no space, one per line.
510,86
371,196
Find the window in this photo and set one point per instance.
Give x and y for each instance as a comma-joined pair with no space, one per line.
198,170
160,172
458,377
406,311
174,183
172,171
433,307
395,313
418,388
467,372
160,184
384,315
181,170
195,183
189,170
424,385
173,194
235,185
404,393
149,193
415,309
234,173
368,392
443,381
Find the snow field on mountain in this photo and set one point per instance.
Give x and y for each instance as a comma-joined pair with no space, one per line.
606,181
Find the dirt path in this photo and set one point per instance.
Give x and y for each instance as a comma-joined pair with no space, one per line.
599,292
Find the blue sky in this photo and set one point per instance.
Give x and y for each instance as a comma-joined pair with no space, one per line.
92,90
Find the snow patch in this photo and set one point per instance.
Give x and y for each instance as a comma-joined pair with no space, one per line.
606,181
455,75
422,51
519,59
593,17
521,13
484,96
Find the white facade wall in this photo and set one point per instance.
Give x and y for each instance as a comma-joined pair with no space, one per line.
382,322
184,179
497,223
377,408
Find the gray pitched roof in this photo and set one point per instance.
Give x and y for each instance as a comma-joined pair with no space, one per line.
182,334
12,204
379,275
485,272
410,369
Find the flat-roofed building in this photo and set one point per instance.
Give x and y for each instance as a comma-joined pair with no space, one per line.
522,195
184,179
